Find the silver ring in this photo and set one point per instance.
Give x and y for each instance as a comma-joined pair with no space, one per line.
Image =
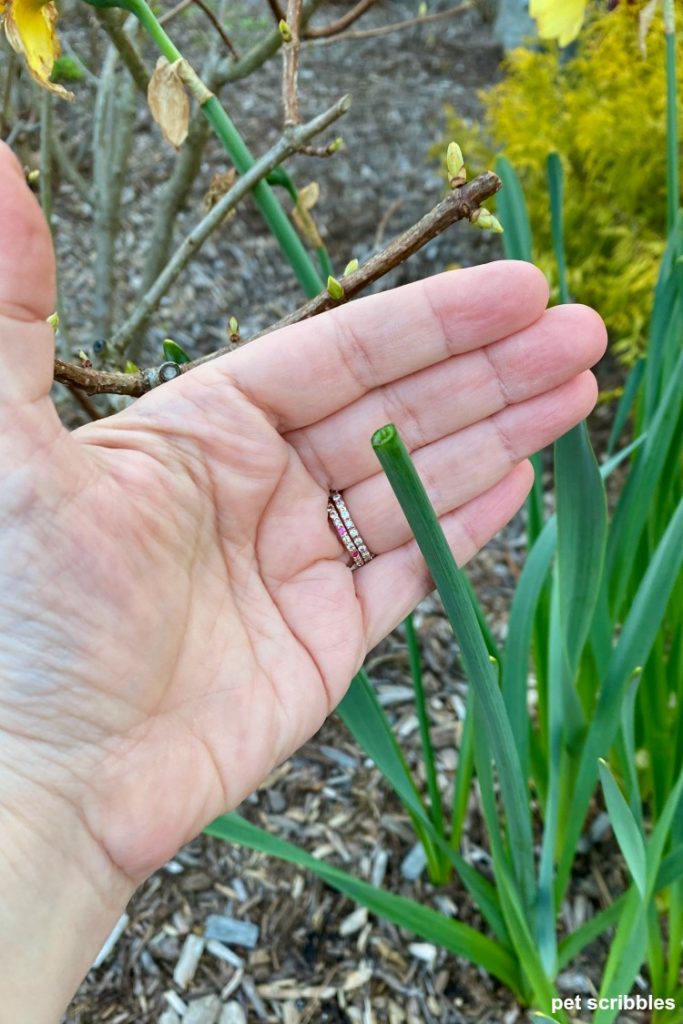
346,530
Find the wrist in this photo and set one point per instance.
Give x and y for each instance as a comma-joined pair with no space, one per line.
61,896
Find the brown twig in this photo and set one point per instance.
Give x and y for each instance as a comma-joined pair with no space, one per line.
278,13
385,30
178,9
217,25
333,28
290,63
458,205
86,405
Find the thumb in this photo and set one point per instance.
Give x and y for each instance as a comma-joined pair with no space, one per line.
27,291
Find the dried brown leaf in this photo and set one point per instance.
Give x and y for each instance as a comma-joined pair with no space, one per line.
168,101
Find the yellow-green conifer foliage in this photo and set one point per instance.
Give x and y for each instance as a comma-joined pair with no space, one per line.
602,108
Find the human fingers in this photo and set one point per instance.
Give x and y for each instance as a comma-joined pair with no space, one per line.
309,370
448,396
457,468
27,289
390,586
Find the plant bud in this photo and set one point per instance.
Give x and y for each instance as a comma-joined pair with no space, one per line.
455,165
336,145
285,31
173,353
334,288
483,218
53,321
351,267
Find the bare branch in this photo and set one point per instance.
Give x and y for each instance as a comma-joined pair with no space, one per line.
112,22
290,64
217,25
69,171
178,9
385,30
458,205
335,27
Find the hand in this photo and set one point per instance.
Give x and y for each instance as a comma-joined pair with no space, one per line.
176,614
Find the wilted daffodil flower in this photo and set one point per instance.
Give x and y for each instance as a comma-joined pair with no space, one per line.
30,29
558,19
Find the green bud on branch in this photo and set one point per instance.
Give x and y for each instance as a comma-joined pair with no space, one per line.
484,219
351,267
455,165
173,353
334,288
285,31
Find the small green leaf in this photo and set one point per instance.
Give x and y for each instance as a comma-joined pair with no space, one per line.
174,353
130,367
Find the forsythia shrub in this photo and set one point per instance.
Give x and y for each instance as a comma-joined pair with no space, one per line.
602,108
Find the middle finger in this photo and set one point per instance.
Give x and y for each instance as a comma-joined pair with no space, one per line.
451,395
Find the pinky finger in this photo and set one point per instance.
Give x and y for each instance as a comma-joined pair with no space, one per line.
389,587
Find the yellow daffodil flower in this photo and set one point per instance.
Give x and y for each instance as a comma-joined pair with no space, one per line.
30,29
558,19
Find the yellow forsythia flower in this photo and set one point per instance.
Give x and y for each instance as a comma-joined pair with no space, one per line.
558,19
30,29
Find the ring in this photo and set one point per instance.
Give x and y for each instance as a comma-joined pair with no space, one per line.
341,520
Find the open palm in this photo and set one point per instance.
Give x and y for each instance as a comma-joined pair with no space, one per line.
176,615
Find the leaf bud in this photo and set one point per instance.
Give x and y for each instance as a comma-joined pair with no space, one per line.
484,219
455,165
334,288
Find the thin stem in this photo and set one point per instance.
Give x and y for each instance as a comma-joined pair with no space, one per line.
68,169
113,25
217,25
290,64
397,26
333,28
10,71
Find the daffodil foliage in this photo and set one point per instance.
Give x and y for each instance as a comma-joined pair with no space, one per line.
30,29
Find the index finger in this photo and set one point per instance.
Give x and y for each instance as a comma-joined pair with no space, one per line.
309,370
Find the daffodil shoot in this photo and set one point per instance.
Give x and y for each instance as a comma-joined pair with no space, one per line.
30,29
